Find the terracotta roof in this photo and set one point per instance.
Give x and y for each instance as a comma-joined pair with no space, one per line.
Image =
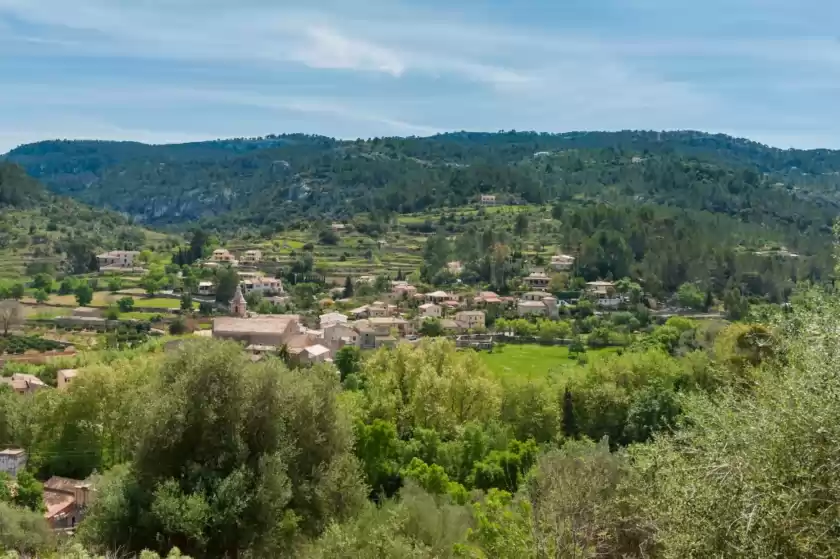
66,484
56,502
275,324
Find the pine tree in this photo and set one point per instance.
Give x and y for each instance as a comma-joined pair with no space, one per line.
570,427
348,288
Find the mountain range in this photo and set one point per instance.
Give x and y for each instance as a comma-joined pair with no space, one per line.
275,179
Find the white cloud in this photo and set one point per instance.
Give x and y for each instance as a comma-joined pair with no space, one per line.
327,48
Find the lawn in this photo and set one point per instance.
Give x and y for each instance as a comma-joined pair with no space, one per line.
159,303
536,362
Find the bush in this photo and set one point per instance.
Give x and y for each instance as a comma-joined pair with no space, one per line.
178,326
126,304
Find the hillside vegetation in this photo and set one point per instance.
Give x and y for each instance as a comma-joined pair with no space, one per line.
43,232
270,180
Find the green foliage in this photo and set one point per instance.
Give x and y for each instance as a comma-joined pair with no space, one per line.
126,304
178,326
230,443
84,294
431,328
690,297
348,360
29,493
226,282
112,312
41,296
23,531
186,301
115,284
43,281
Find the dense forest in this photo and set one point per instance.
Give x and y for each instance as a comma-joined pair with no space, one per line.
270,180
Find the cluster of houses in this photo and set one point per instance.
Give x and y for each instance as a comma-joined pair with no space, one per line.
66,500
222,256
24,384
381,323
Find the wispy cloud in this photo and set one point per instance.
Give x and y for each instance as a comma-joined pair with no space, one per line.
389,67
328,48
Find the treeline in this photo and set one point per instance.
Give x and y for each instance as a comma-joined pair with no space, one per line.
270,180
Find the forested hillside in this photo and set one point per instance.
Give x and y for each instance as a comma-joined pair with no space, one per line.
43,232
270,180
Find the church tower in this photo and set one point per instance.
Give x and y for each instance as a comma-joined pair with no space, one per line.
238,305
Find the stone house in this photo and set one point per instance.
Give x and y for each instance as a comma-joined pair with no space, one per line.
12,460
470,320
117,259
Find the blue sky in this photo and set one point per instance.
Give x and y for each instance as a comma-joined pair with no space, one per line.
180,70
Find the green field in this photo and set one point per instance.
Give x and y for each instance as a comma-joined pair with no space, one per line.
535,362
159,303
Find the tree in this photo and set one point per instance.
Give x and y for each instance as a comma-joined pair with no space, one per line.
151,284
80,257
178,326
68,286
11,315
17,291
43,281
197,243
328,237
84,295
690,297
115,284
29,493
431,327
251,445
348,287
435,255
41,296
24,531
735,304
126,304
348,359
226,282
520,226
112,312
186,301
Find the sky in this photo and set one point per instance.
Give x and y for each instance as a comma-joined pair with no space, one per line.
162,71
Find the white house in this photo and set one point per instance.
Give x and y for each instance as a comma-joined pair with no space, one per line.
604,293
470,319
315,354
430,310
562,262
488,200
206,288
329,319
12,460
266,286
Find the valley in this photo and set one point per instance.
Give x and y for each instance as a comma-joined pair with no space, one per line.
397,332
